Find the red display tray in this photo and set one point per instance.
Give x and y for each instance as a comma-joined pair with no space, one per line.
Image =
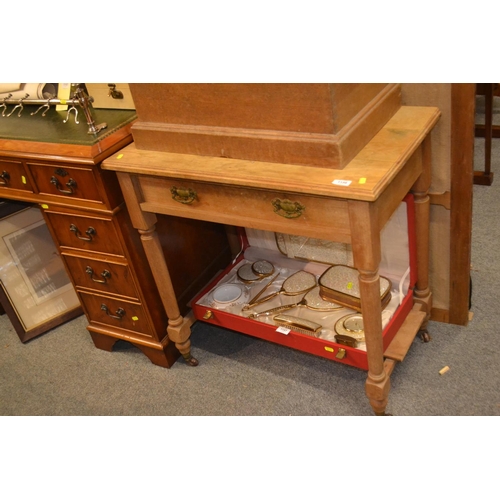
325,346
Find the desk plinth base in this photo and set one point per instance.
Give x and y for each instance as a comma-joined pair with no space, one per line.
159,354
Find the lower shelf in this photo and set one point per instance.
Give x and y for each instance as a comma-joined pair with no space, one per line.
401,343
400,321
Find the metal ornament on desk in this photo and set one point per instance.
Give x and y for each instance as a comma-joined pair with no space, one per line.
80,98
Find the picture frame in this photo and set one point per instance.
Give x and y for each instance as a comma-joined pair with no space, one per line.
35,290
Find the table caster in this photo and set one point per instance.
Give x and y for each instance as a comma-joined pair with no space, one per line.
424,335
190,360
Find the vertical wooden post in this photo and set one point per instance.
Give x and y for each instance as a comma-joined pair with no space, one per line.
463,97
420,191
178,328
365,235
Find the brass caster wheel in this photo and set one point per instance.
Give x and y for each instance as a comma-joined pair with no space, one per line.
190,360
424,335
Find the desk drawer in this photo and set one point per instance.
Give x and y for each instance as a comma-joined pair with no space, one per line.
70,182
102,275
255,208
13,176
117,313
95,234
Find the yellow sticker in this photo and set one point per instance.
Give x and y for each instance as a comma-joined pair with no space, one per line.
23,179
120,156
362,180
349,285
329,349
63,101
135,318
44,206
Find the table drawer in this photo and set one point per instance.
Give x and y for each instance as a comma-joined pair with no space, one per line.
102,275
255,208
95,234
70,182
13,176
117,313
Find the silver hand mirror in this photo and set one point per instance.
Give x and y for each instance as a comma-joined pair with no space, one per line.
246,274
311,300
297,283
250,273
263,268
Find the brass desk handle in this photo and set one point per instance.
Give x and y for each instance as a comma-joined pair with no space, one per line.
90,232
183,195
70,184
119,313
105,275
287,208
5,176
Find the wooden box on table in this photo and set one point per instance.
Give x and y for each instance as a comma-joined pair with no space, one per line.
322,125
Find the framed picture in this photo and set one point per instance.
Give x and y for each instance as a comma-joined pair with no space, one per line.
35,289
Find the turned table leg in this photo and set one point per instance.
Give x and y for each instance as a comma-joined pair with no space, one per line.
420,192
365,235
378,382
178,329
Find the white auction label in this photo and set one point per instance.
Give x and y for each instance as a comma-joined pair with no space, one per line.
283,330
340,182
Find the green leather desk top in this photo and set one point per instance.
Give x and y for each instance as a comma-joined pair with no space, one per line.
52,129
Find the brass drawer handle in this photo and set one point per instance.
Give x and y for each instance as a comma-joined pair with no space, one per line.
287,208
183,195
119,313
105,275
71,184
90,232
5,176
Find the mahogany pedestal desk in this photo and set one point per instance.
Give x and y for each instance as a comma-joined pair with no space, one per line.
57,165
350,205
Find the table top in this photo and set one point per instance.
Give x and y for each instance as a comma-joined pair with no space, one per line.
364,178
51,127
50,136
